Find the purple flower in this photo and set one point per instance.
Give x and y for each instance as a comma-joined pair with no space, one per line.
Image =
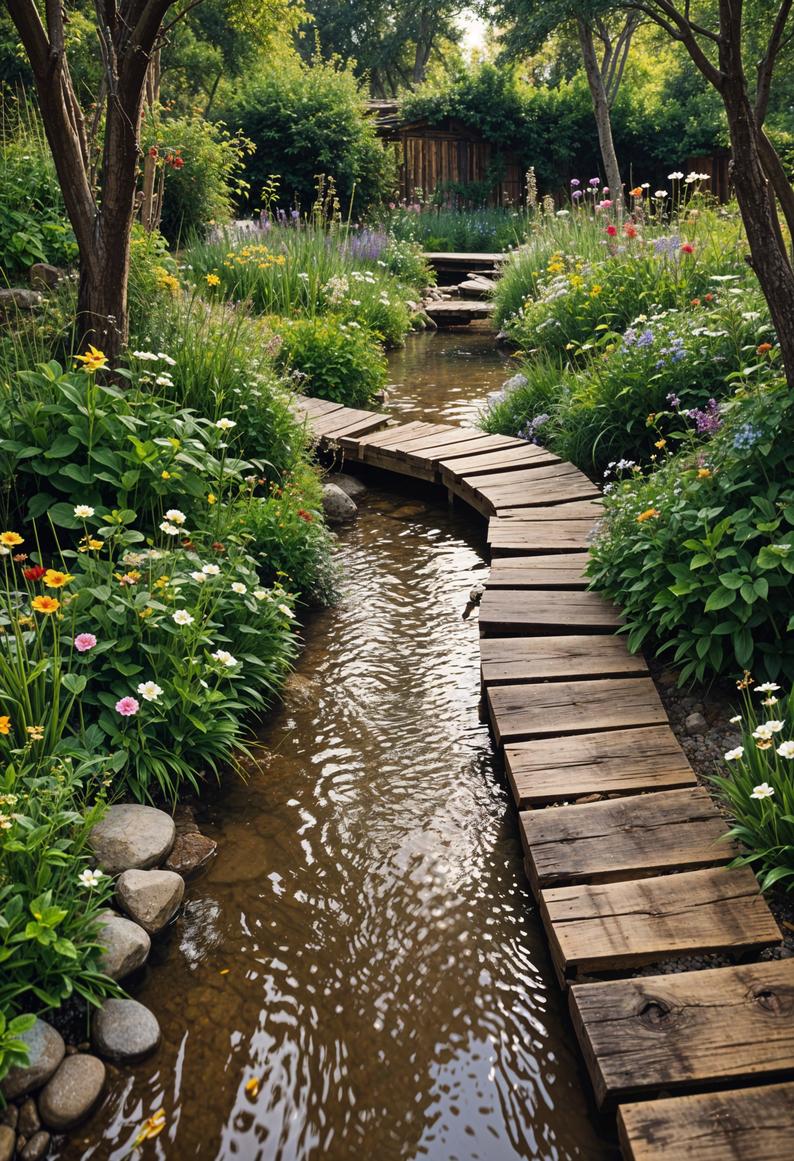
645,339
575,181
707,420
577,193
673,401
530,431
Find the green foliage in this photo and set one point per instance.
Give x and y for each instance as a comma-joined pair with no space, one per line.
758,788
461,231
331,359
305,120
13,1049
699,553
200,162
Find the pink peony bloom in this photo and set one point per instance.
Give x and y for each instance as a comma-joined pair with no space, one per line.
127,706
84,641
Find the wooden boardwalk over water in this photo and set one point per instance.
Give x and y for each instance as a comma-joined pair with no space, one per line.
624,852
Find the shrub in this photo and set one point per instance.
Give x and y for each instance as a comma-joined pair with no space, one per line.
333,360
306,120
758,787
700,553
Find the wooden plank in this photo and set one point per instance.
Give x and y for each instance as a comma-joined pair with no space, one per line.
508,502
358,427
315,408
750,1124
336,421
512,659
539,572
529,476
456,312
688,1029
616,762
555,708
402,432
603,927
536,611
517,455
540,535
625,838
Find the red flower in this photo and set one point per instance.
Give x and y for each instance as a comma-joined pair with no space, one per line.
630,230
695,302
612,230
216,544
304,515
709,297
188,544
177,162
34,573
153,151
687,248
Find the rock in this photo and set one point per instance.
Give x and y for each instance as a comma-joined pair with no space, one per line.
184,820
190,853
36,1148
132,836
8,1142
151,898
29,1120
126,945
337,505
10,1116
696,724
350,485
14,298
408,511
45,1052
476,594
45,277
124,1030
72,1093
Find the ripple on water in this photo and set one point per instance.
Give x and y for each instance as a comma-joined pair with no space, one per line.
364,944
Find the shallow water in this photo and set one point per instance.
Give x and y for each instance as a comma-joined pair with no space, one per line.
365,945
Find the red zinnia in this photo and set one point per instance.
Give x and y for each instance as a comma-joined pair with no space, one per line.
304,515
687,248
34,573
216,544
612,231
629,230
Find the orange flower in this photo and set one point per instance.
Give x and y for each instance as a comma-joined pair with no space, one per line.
5,724
54,579
637,192
704,473
648,514
45,605
10,539
762,348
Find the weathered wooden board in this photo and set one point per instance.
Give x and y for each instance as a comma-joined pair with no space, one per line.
615,762
560,571
456,312
540,535
334,423
506,660
315,408
555,708
517,456
357,427
402,433
748,1124
602,927
687,1029
625,838
486,445
529,476
459,260
536,611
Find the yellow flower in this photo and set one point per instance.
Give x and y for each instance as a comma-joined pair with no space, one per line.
11,539
45,605
5,724
648,514
211,498
26,622
165,475
151,1127
89,544
93,360
651,418
35,733
660,443
161,582
253,1086
763,745
54,579
704,473
144,613
213,280
595,290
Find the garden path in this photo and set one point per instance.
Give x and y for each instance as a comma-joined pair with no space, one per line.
628,869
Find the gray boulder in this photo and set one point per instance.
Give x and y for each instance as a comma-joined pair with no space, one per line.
14,298
350,485
151,898
337,505
126,945
190,853
696,724
43,276
72,1092
124,1030
46,1050
132,836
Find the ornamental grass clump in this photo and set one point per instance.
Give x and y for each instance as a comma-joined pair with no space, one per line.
758,784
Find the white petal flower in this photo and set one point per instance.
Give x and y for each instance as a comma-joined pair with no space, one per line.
675,176
90,879
767,687
764,790
261,594
166,358
225,424
210,569
223,657
83,511
175,516
148,356
182,617
169,529
286,610
239,587
786,749
164,380
734,755
198,577
736,719
149,690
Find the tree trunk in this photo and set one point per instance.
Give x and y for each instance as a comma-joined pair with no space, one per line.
601,111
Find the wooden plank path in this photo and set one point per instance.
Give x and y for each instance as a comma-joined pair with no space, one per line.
624,851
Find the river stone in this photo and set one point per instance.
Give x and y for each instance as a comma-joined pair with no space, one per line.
132,836
337,505
190,853
29,1120
151,898
696,724
10,1116
13,298
8,1142
43,276
46,1050
126,945
36,1148
124,1030
350,485
72,1092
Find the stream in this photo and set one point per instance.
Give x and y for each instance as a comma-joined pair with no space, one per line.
365,948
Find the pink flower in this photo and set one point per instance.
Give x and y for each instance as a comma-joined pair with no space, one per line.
612,230
127,706
84,641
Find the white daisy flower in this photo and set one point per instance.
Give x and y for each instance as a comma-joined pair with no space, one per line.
83,511
182,617
225,424
210,569
90,879
763,790
734,755
239,587
149,690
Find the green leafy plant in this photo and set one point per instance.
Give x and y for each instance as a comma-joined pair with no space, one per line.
333,360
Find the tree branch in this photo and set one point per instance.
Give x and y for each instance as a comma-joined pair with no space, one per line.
767,63
31,32
676,26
